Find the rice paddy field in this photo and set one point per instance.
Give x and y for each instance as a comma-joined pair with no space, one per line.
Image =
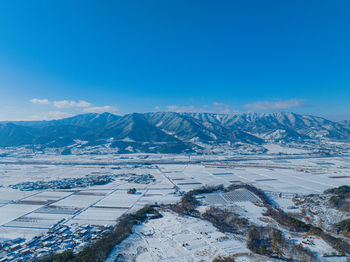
29,213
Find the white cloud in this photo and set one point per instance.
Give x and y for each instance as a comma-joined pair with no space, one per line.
222,108
217,108
51,115
72,106
183,109
277,105
219,104
100,109
71,103
40,101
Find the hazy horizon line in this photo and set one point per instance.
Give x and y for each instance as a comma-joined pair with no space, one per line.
333,118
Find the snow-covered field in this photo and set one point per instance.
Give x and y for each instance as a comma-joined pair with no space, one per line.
282,178
30,213
278,149
174,238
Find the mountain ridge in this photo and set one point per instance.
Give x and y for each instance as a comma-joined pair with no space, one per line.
183,132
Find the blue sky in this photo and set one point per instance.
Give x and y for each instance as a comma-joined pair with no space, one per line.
60,58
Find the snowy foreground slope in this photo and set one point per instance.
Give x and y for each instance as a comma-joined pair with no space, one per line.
175,237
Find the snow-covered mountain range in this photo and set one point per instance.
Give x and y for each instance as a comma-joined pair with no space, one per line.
170,132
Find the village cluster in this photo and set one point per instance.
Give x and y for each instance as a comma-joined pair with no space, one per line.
58,238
